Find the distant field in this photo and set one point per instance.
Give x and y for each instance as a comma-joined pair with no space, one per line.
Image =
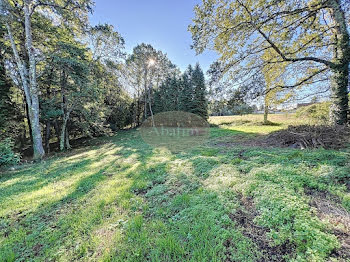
253,123
122,200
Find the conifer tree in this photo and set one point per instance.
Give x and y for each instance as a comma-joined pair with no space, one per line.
199,102
187,93
187,90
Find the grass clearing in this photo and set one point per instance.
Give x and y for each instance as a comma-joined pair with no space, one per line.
125,201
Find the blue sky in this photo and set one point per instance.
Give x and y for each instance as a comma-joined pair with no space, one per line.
161,23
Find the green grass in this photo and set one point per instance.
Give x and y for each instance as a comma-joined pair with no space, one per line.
125,201
253,124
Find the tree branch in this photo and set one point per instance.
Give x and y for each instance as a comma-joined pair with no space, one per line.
303,81
278,50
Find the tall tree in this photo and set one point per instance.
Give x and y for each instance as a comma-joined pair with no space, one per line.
71,72
146,69
186,93
107,47
28,75
20,20
187,90
200,104
300,32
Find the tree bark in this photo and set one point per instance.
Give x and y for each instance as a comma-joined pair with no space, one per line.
28,123
145,96
28,80
57,130
47,136
67,139
340,70
34,108
64,138
138,110
150,105
266,113
64,132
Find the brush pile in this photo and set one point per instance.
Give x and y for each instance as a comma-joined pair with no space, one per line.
305,137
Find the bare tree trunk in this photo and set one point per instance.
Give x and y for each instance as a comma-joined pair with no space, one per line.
24,135
150,105
34,108
134,113
266,111
145,96
28,79
47,136
65,111
64,132
340,70
48,121
67,139
138,110
28,122
145,106
57,130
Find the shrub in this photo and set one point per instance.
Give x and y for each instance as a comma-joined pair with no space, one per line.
7,155
318,113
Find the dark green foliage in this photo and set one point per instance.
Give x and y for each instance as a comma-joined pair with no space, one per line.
119,109
77,75
187,90
187,93
242,109
237,103
7,155
11,124
6,105
200,103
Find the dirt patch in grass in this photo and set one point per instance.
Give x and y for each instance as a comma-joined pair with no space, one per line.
329,209
244,217
343,253
37,249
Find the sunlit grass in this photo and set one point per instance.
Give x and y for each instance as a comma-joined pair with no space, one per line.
253,124
282,118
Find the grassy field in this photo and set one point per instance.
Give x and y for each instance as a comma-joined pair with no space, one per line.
121,200
254,123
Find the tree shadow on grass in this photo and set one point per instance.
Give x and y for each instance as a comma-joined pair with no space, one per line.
53,223
36,179
67,223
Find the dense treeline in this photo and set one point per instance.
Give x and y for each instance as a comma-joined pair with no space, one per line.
62,78
186,92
